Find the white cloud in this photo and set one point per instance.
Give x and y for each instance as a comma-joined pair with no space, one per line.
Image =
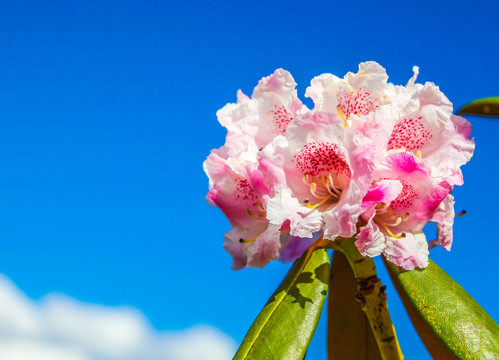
62,328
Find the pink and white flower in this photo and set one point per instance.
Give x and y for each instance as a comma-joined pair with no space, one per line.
371,160
433,133
321,172
237,188
272,106
402,199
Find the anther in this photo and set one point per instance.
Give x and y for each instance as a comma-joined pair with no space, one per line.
259,206
305,179
313,187
461,213
397,222
382,208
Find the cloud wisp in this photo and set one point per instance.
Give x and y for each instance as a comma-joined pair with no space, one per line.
61,328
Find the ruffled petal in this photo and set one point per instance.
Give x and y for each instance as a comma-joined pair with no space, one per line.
323,90
434,133
235,249
444,217
382,191
409,252
264,248
370,241
304,222
267,113
342,219
371,76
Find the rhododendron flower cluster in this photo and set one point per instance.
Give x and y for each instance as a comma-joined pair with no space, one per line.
371,160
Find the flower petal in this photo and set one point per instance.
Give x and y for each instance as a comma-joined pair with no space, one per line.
382,191
370,241
409,252
296,247
304,222
444,217
264,248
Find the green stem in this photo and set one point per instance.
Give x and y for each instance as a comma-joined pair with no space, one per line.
372,297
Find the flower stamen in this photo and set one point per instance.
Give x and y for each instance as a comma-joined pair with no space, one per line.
401,236
397,221
461,213
382,208
259,206
305,179
330,183
307,203
246,241
313,189
260,214
340,114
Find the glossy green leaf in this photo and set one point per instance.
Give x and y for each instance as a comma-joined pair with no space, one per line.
449,321
285,326
485,107
349,335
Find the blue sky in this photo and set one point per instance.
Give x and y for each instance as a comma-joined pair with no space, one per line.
108,110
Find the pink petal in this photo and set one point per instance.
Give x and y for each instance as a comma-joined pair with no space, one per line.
409,252
444,217
264,248
382,191
370,241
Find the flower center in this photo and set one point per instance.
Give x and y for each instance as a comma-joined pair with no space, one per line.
386,218
246,194
258,213
325,171
405,200
322,188
390,215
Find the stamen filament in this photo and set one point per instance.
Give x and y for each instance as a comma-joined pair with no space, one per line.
340,114
397,222
383,208
461,213
259,206
401,236
260,215
307,203
246,241
313,189
331,183
305,179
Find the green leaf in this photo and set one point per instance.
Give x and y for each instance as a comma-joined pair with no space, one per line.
349,335
448,320
485,107
285,326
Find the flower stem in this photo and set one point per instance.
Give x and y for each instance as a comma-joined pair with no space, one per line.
372,297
